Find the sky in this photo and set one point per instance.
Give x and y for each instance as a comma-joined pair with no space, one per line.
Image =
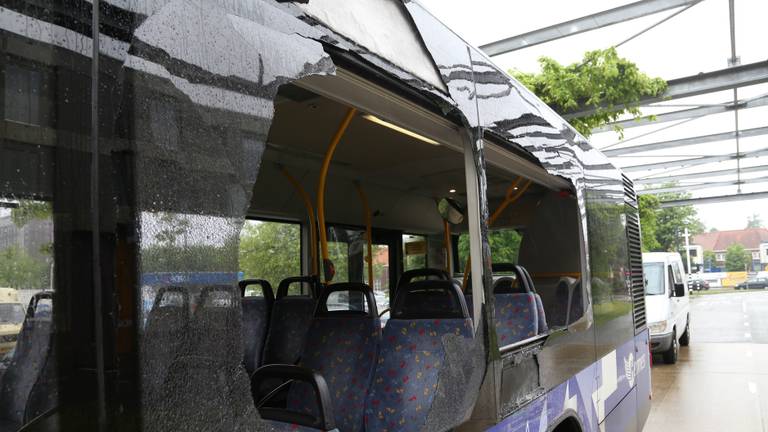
697,40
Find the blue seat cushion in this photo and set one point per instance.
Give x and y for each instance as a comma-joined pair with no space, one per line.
343,350
406,375
288,326
516,317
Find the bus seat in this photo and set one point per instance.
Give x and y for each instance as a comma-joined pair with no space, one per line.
207,385
165,337
289,322
567,306
342,346
426,273
29,387
516,317
256,312
217,318
542,316
423,314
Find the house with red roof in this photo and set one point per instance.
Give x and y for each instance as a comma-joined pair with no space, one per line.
754,240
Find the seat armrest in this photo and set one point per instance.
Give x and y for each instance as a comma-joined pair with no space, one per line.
289,374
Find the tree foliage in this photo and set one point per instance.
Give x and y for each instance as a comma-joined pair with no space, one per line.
649,208
672,222
29,210
737,258
21,271
272,251
754,221
602,80
504,243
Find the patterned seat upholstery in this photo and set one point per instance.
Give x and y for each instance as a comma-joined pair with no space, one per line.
288,327
412,355
342,346
256,312
516,317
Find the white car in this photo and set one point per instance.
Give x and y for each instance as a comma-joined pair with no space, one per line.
668,310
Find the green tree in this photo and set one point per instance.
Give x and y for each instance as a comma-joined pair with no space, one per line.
754,221
649,208
504,243
671,222
737,258
29,210
272,251
19,270
602,80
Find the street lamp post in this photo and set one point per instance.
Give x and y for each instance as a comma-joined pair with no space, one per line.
687,251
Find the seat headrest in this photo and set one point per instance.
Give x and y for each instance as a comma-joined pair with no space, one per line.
217,296
426,273
312,281
266,288
429,299
509,285
348,304
171,296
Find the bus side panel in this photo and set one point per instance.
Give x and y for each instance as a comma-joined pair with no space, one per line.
615,378
643,378
573,398
622,418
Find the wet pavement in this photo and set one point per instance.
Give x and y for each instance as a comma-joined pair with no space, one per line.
720,382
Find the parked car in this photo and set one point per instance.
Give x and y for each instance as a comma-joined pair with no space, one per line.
696,283
753,283
666,303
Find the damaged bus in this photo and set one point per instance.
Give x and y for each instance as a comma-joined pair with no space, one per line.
275,215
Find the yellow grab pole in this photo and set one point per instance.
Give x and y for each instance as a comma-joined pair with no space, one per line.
311,213
447,244
368,231
327,268
510,198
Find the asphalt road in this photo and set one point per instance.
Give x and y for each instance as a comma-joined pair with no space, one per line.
720,382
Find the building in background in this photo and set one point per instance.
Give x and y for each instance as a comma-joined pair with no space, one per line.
754,240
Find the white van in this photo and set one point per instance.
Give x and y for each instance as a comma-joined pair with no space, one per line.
668,309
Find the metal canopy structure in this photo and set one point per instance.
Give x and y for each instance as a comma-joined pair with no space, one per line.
708,156
710,82
584,24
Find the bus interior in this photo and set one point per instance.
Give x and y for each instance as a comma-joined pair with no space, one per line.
384,177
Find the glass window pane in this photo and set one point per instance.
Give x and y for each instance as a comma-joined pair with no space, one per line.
271,251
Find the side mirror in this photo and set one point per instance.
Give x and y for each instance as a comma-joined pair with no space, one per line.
679,290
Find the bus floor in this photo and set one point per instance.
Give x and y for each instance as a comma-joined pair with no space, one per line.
720,382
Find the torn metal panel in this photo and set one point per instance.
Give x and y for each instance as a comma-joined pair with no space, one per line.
381,26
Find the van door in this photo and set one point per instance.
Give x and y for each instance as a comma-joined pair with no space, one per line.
682,302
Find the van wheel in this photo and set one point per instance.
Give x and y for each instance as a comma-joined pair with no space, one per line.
670,356
685,339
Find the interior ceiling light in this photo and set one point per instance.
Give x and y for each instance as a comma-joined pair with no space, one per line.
452,191
403,131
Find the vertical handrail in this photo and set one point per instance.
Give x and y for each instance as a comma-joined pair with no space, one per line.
368,231
447,245
310,213
328,271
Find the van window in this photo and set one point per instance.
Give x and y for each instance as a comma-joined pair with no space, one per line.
11,313
654,278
